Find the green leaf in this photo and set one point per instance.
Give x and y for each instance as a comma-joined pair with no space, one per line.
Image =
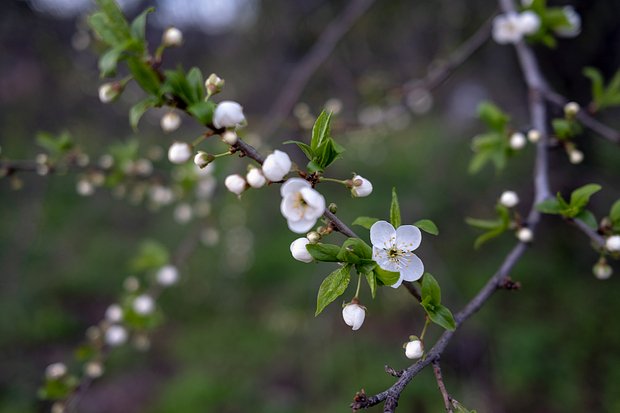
484,223
549,206
489,235
196,83
386,277
144,75
110,24
442,316
597,84
305,148
109,60
365,266
58,389
395,210
327,153
177,84
489,147
372,282
587,218
56,145
365,222
493,116
332,287
203,111
320,130
580,197
140,108
324,252
430,290
459,408
614,213
428,226
353,250
152,255
138,26
431,302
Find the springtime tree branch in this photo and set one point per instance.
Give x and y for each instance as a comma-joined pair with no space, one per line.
597,239
447,400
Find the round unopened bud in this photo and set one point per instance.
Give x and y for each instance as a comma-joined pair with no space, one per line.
509,199
143,304
114,313
235,184
109,92
58,407
517,141
115,335
276,166
170,122
55,371
361,187
575,156
172,37
533,135
131,284
525,235
230,137
571,109
214,84
255,178
602,270
354,315
313,237
228,114
414,349
180,152
613,243
299,251
333,208
84,187
202,159
93,369
167,275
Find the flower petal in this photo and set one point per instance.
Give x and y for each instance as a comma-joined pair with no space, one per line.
382,234
412,268
383,260
301,226
289,208
398,282
408,237
293,185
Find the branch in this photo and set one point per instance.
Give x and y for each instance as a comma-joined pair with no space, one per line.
304,70
592,234
447,400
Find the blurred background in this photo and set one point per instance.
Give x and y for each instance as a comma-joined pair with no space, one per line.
239,331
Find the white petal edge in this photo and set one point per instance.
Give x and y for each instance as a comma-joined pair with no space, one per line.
301,226
408,237
293,185
381,234
414,270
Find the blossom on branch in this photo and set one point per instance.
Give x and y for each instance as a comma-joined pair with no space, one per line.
228,114
392,249
354,315
299,250
276,166
361,187
301,205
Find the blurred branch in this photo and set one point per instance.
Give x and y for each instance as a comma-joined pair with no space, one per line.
586,120
304,70
592,234
447,400
414,291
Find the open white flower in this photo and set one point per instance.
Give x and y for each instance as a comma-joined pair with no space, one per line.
299,250
363,189
228,114
354,315
276,166
392,249
301,205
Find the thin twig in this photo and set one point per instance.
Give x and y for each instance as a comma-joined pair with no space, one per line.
414,291
592,234
447,400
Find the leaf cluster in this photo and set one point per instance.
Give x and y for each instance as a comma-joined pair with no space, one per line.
493,227
575,207
603,96
492,146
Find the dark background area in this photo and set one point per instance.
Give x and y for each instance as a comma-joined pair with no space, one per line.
244,337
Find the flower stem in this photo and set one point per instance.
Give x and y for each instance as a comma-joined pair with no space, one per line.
428,321
338,181
359,284
221,155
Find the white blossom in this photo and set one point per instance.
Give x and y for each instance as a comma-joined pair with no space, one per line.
301,205
509,199
571,109
507,28
167,275
613,243
235,184
228,114
55,371
392,249
602,270
255,178
299,251
93,369
202,159
115,335
170,122
172,37
414,349
84,187
533,135
517,141
230,137
276,166
575,156
525,235
529,22
354,315
574,23
180,152
143,304
108,92
361,186
114,313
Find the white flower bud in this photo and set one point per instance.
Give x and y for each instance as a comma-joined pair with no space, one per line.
507,28
529,22
276,166
361,187
235,184
170,122
143,304
575,156
517,141
533,135
115,335
354,315
571,109
509,199
574,23
55,371
84,187
109,91
613,243
255,178
414,349
180,152
299,251
114,313
525,235
93,369
172,37
167,275
58,407
602,270
202,159
214,84
228,114
230,137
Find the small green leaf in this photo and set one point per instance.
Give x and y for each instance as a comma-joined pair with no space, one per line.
549,206
493,116
305,148
372,282
324,252
203,111
587,218
139,109
430,290
138,26
109,60
614,213
386,277
484,223
320,130
152,255
442,316
196,83
395,210
144,75
428,226
55,145
365,222
580,197
353,250
332,287
489,235
459,408
365,266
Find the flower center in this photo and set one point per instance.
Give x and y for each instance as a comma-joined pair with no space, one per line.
394,252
